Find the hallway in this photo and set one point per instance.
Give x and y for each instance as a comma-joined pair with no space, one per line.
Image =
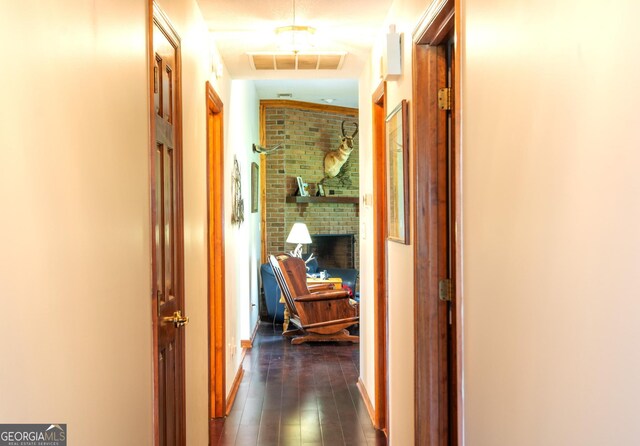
297,395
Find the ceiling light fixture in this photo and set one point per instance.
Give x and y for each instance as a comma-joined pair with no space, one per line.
295,38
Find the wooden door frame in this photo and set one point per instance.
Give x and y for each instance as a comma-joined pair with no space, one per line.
379,114
157,16
215,254
263,186
432,374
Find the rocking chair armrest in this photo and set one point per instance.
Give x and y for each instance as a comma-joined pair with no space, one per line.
323,295
319,286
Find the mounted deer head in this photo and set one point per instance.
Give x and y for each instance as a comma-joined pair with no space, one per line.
335,159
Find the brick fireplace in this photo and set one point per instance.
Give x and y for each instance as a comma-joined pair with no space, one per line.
334,250
307,135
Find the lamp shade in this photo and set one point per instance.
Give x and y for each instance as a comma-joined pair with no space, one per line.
299,234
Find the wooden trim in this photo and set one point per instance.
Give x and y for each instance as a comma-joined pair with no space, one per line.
435,24
379,113
279,103
215,253
457,208
327,199
365,398
347,320
231,398
154,299
248,343
263,185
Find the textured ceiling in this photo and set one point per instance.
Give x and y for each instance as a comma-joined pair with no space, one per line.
242,26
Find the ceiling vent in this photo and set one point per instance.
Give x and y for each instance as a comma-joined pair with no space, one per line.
297,61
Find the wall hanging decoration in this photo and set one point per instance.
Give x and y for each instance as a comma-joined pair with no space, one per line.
398,174
237,204
255,187
303,188
335,159
337,166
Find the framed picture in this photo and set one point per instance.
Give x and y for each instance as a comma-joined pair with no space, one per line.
302,187
397,137
319,190
255,187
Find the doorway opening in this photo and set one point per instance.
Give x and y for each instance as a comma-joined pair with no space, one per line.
281,192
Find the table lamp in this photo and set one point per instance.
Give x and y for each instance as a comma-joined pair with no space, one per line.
299,234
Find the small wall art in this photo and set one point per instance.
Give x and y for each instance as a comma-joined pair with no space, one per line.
255,187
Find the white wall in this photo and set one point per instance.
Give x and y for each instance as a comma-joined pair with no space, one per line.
74,226
367,352
404,14
551,218
75,229
242,243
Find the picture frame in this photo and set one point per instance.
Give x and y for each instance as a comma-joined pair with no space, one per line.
320,190
397,148
255,187
302,187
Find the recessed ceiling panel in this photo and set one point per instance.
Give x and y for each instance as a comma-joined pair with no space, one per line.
279,61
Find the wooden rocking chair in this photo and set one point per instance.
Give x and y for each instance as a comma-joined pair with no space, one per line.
320,314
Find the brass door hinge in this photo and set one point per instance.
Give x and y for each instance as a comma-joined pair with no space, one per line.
446,290
444,98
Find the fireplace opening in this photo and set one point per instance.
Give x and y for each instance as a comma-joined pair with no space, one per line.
334,250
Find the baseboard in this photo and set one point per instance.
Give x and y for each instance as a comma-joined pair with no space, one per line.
248,343
234,389
367,401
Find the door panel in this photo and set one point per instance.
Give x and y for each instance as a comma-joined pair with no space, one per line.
167,234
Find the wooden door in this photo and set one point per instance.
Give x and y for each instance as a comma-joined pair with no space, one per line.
438,304
167,246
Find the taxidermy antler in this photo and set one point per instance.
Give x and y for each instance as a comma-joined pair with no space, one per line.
263,150
335,159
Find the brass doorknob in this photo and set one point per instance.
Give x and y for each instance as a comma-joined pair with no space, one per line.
177,319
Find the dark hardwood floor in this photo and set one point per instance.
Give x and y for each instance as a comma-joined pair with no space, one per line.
297,395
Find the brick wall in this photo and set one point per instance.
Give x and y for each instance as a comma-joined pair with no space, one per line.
307,136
